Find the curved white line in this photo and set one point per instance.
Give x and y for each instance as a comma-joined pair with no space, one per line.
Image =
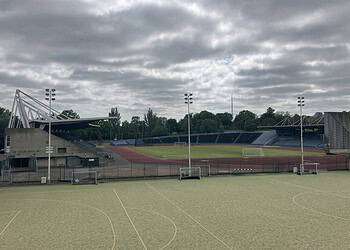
165,217
83,205
189,216
314,210
130,220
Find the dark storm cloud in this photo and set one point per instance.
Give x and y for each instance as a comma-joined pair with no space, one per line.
140,54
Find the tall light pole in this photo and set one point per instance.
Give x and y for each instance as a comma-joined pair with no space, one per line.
50,96
189,100
301,104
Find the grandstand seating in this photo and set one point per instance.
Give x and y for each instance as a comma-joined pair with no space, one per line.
227,137
230,137
207,138
314,141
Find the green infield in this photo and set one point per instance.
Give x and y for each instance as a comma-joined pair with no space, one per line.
242,212
218,151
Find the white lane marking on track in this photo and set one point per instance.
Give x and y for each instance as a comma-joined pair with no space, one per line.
189,216
79,204
314,210
165,217
9,223
130,220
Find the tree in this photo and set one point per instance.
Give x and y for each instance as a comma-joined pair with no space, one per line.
246,120
268,118
4,120
208,126
150,119
159,129
116,117
197,119
115,122
172,126
136,126
225,119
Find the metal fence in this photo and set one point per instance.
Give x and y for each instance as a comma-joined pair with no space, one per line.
157,170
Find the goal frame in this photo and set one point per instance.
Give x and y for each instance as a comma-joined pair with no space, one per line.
245,149
75,181
190,173
314,168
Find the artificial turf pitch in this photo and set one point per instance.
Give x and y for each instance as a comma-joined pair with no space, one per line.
217,151
259,211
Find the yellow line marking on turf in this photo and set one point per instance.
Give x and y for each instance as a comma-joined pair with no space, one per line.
79,204
167,218
314,210
130,220
9,223
189,216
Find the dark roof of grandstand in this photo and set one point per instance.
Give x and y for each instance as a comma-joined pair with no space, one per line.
311,122
67,124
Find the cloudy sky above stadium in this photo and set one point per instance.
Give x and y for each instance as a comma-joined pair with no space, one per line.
140,54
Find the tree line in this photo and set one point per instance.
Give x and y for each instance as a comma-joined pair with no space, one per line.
152,124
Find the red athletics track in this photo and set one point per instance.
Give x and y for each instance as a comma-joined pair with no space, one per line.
133,156
329,162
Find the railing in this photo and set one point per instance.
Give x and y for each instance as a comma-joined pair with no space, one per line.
161,170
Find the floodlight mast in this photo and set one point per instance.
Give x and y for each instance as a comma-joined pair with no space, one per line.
189,100
50,96
301,104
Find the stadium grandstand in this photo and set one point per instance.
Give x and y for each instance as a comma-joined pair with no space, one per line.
27,137
283,134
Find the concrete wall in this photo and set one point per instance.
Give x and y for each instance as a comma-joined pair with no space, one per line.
337,132
31,142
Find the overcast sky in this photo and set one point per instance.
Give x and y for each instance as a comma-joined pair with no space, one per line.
140,54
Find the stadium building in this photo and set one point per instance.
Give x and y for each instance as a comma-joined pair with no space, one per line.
26,138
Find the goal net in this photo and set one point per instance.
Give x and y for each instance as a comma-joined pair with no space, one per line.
190,173
308,168
252,152
84,177
180,143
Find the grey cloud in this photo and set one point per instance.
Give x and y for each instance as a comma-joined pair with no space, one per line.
111,55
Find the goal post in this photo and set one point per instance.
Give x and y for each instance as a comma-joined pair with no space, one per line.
190,173
84,177
252,152
308,168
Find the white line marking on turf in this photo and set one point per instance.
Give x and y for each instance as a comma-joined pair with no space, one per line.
79,204
314,210
7,212
165,217
130,220
312,189
189,216
9,223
